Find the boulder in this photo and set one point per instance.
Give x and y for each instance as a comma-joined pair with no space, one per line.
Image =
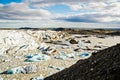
73,41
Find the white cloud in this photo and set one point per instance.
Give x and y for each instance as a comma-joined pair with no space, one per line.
91,17
75,7
63,1
94,11
1,5
55,24
36,2
71,3
21,11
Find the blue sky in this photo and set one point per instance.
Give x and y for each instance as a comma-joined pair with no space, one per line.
60,8
9,1
60,13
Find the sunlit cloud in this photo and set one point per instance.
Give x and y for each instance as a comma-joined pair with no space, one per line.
80,11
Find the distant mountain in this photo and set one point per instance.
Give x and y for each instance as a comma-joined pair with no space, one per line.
26,28
58,29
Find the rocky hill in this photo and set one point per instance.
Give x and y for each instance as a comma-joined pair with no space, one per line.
103,65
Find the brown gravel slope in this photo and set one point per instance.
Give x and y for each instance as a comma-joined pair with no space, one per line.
103,65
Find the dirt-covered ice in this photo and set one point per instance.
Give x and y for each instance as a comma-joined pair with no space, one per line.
50,51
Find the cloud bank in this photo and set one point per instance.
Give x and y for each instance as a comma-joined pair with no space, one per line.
21,11
82,11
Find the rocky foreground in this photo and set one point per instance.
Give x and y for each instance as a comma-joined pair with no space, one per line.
36,54
103,65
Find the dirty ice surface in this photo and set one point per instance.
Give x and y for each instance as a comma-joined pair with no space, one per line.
29,54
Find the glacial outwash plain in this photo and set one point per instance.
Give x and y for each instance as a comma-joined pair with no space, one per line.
59,54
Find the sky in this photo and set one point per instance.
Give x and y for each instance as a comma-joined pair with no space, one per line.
60,13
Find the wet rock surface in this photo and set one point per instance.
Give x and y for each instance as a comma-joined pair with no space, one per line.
103,65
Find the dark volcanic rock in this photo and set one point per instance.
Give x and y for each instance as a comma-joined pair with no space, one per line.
103,65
